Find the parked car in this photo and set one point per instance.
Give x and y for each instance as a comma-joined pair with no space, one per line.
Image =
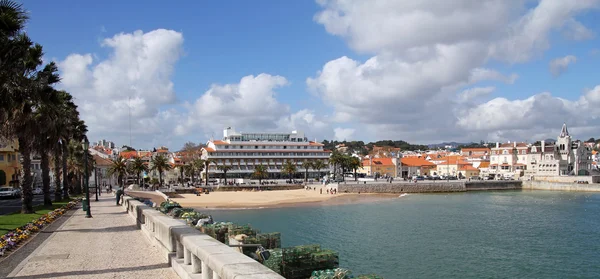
9,192
38,191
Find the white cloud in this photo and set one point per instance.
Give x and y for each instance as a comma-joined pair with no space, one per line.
476,92
425,52
576,31
137,72
341,134
559,65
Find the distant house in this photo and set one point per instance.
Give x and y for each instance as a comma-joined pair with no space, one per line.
380,166
415,166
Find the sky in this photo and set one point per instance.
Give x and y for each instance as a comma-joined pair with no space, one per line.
421,71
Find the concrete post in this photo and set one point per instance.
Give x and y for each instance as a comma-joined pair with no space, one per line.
197,264
206,272
187,256
179,250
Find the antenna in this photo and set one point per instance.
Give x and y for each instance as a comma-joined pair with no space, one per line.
129,106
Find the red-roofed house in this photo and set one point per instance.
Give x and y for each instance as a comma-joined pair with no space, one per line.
381,166
415,166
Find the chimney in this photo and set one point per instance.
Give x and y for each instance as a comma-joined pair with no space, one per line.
497,145
543,146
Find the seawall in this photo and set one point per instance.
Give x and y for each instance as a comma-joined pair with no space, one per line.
429,187
555,186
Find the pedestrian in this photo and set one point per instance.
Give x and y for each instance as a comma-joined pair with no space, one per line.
118,194
321,191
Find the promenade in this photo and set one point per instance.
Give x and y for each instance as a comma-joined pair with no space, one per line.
109,245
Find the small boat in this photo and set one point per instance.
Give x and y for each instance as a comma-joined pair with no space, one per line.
403,195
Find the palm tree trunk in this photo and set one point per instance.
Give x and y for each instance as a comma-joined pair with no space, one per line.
225,176
26,193
45,165
305,175
138,179
160,179
206,176
80,183
355,178
58,190
65,153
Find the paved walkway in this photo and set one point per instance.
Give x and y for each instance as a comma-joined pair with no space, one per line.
106,246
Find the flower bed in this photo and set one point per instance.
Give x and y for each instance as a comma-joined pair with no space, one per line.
13,238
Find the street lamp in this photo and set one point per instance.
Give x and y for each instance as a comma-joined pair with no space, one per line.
86,145
96,181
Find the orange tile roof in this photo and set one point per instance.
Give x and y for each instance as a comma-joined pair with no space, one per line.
475,149
101,161
162,151
415,162
484,165
209,149
468,168
319,144
378,162
594,152
453,160
220,142
128,154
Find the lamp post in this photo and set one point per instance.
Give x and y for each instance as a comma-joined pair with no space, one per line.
96,181
86,144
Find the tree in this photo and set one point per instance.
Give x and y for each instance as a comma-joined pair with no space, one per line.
288,168
318,165
335,160
189,146
137,166
306,166
160,164
224,169
260,173
207,163
119,167
198,166
354,164
591,140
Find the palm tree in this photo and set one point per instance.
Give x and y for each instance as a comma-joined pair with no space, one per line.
260,173
160,164
288,168
335,160
318,165
306,165
207,163
119,167
197,165
224,169
137,166
354,164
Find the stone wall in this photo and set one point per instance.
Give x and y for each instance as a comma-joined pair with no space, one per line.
569,179
428,187
395,188
493,185
554,186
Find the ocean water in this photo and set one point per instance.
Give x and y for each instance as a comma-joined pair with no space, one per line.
528,234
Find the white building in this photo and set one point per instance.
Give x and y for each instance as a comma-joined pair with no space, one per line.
243,151
565,157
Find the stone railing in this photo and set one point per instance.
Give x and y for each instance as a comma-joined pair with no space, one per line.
191,253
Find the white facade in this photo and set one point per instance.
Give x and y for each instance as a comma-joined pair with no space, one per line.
565,157
243,151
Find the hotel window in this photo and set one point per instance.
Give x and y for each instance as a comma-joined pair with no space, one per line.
284,147
505,151
256,147
2,157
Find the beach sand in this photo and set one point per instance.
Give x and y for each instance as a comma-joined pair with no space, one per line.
270,199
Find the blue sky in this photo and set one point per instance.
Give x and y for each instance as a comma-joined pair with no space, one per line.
224,41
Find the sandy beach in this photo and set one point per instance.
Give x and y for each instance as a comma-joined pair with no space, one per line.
247,199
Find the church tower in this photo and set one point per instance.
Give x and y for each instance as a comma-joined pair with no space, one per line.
563,142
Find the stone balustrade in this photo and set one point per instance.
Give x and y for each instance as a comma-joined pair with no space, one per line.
191,253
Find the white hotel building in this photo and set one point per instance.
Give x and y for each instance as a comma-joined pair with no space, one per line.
244,151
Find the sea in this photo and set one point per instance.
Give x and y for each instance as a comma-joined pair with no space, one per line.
503,234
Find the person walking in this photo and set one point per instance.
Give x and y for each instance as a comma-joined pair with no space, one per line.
118,194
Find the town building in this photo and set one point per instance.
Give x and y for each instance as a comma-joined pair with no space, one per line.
242,152
455,166
476,154
562,158
384,152
565,157
10,167
378,167
416,166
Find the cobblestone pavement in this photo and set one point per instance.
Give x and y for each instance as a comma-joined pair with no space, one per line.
109,245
